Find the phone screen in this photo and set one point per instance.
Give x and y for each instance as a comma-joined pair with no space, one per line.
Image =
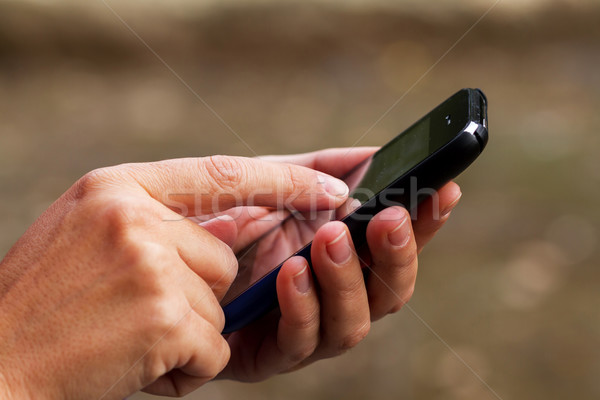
368,178
390,162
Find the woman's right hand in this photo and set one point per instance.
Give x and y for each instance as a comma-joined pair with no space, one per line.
111,290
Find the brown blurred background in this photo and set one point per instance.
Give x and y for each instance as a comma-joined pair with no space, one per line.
511,284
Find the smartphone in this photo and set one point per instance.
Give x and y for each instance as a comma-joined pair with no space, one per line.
406,171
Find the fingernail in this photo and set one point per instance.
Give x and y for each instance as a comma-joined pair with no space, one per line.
451,206
339,249
302,280
333,186
401,233
353,205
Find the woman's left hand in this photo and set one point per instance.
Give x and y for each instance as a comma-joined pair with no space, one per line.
313,323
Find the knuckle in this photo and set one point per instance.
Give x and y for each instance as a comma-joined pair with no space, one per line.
407,294
306,322
94,180
230,265
144,268
299,351
208,306
401,271
162,314
351,290
378,307
133,255
89,182
404,299
117,213
406,275
227,268
408,258
224,172
121,217
355,337
396,308
220,358
301,354
296,182
154,366
147,256
219,319
225,353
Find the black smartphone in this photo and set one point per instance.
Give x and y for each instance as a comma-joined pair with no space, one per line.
405,171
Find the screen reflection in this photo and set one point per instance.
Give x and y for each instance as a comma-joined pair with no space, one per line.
284,238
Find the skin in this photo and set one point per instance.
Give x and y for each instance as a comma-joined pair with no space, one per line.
111,291
316,324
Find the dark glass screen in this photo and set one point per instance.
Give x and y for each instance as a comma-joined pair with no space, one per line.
366,180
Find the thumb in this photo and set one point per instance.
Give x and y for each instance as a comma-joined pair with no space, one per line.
194,186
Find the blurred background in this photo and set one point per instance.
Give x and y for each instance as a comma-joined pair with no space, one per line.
511,283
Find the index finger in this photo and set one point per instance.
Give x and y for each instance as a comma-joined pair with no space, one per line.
196,186
335,161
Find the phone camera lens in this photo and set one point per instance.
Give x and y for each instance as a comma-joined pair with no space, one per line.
448,119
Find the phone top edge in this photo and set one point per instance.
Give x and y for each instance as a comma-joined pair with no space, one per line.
478,105
260,296
468,92
479,132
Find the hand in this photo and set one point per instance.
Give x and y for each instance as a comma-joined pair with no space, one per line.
311,325
111,290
